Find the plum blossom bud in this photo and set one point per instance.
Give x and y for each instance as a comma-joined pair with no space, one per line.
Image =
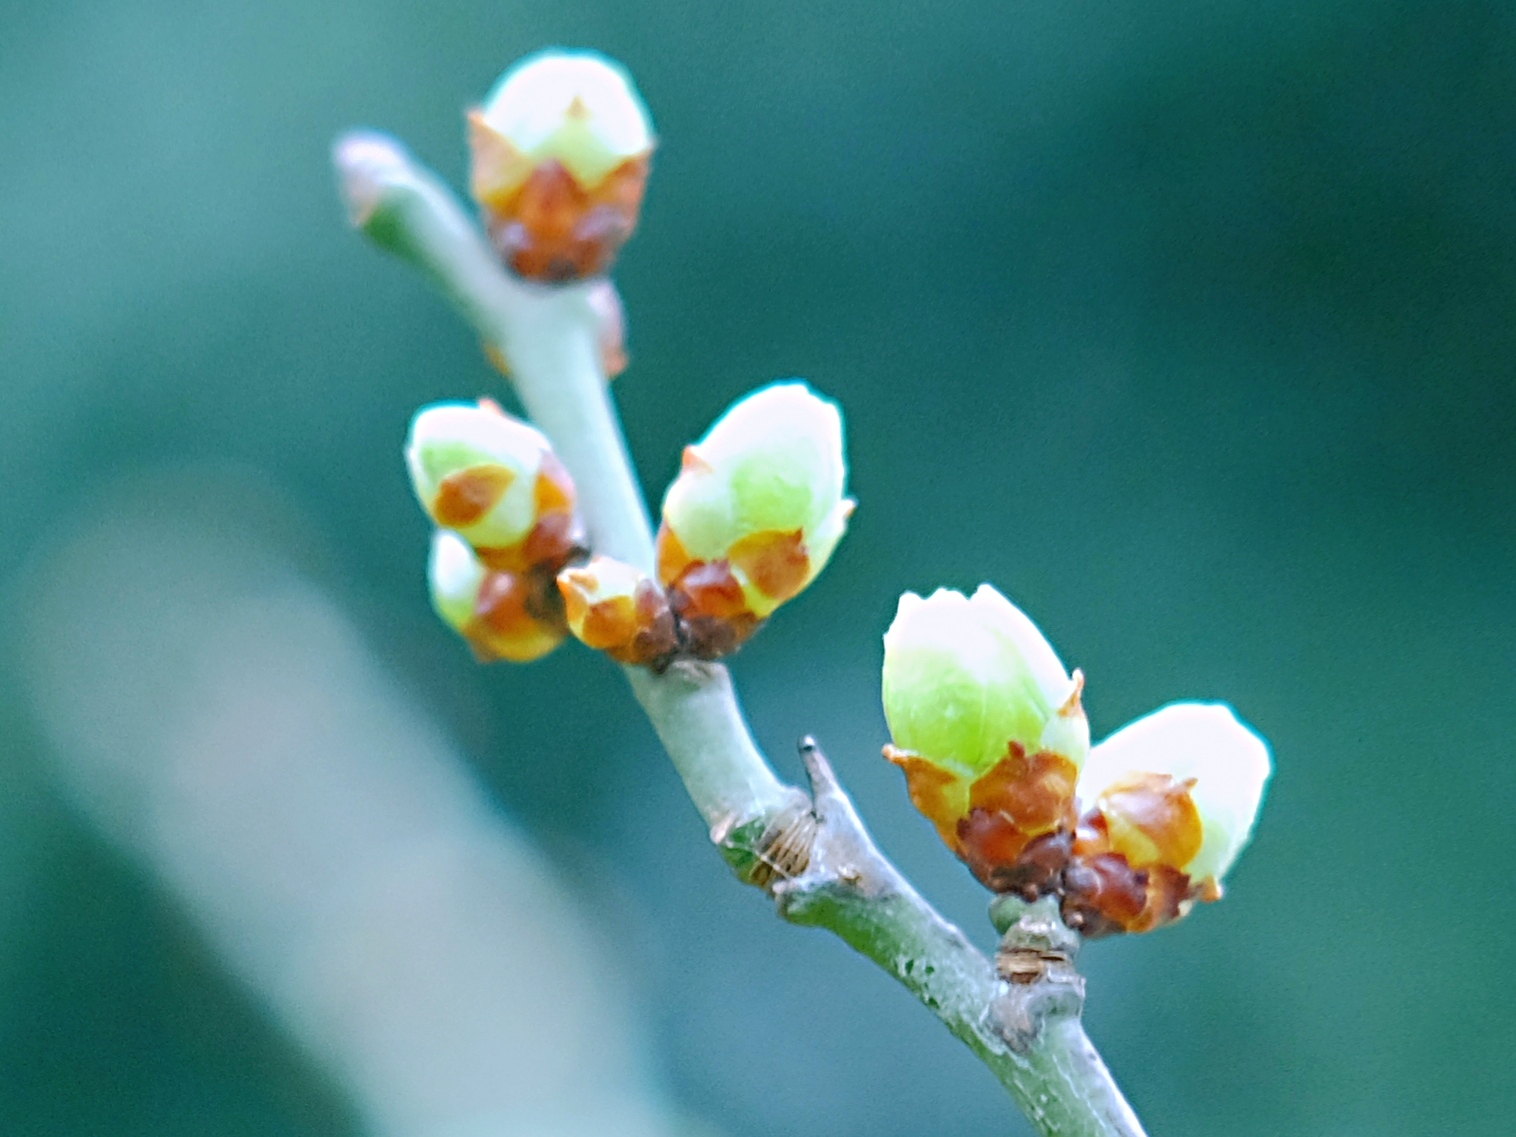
502,615
754,514
494,481
989,730
615,608
1170,801
559,163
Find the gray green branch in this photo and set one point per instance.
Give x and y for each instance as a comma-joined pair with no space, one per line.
810,852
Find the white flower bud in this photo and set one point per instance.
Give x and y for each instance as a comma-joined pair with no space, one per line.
493,480
964,677
1203,747
757,507
989,731
559,163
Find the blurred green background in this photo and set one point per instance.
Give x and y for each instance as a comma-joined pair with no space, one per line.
1189,325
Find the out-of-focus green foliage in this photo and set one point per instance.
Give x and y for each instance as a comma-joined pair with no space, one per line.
1190,326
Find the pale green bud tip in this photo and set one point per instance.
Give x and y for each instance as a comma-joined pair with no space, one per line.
1228,761
577,107
964,677
454,575
772,463
474,469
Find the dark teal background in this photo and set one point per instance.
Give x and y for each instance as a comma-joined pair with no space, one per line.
1189,325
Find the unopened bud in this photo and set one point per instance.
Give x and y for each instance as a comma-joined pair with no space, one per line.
1170,801
754,514
501,615
495,481
987,726
559,163
615,608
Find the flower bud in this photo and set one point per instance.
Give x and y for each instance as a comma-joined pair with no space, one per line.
502,615
615,608
559,163
494,480
754,514
1170,800
988,728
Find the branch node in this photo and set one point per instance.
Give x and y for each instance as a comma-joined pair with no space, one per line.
1036,959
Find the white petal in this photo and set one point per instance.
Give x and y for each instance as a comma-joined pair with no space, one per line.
1041,660
533,98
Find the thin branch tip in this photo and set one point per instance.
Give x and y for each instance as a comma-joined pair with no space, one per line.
818,771
367,162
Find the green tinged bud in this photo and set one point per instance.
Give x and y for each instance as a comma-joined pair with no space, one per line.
494,481
964,677
453,575
576,108
757,507
559,164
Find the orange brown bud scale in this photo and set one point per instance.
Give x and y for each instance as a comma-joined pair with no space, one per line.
613,608
1105,893
708,596
558,535
989,822
516,618
466,496
1151,820
552,229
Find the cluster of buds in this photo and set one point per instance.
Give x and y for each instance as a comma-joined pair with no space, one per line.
753,516
989,730
505,507
559,162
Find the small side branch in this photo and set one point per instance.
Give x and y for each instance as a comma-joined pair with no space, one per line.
810,852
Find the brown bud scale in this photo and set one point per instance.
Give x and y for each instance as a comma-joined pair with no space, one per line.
463,497
515,618
1015,829
551,228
